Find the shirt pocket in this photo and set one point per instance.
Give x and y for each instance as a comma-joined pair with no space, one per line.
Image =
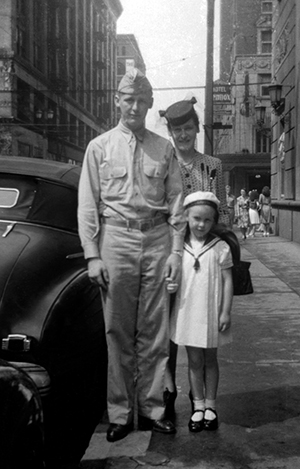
154,187
113,181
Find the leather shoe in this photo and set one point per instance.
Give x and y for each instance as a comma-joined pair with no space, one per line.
211,424
117,431
161,426
198,426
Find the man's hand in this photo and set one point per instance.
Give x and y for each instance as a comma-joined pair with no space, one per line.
98,273
173,268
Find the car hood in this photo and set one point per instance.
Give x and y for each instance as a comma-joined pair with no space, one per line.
36,265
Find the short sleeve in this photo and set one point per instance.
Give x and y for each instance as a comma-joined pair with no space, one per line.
225,257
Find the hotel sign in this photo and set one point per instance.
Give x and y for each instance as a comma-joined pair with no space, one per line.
221,93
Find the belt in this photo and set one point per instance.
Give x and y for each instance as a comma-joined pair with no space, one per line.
129,223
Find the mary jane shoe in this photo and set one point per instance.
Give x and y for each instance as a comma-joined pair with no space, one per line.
211,424
197,426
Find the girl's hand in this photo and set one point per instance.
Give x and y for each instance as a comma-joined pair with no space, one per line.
171,285
224,322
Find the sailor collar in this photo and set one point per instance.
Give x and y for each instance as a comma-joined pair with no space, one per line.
196,253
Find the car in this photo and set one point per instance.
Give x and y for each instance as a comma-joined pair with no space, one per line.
51,316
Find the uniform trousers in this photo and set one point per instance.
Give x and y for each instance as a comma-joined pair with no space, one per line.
136,314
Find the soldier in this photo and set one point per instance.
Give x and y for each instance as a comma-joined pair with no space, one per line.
131,226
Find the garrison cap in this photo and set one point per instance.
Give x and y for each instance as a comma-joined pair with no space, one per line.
134,82
180,112
201,198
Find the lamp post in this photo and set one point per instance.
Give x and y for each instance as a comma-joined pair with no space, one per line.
208,115
260,112
277,102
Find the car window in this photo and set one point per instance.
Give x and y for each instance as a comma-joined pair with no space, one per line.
8,197
25,188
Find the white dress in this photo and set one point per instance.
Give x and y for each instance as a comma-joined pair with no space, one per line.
194,319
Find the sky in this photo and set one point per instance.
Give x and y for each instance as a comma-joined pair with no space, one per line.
172,39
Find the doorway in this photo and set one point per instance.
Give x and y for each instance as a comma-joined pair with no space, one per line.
258,181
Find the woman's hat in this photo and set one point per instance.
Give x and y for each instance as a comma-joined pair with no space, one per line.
180,112
201,198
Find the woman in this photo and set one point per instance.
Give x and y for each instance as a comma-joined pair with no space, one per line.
198,173
230,199
253,212
265,210
242,205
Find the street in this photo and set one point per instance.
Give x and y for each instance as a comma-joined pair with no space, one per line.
258,399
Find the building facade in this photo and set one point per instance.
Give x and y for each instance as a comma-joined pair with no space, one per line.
128,55
57,75
243,141
285,149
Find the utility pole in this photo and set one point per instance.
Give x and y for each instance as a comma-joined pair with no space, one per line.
208,115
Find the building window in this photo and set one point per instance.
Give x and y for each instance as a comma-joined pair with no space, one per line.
73,129
263,90
23,101
266,41
23,38
24,149
38,36
262,142
266,7
121,68
88,134
123,50
63,127
81,135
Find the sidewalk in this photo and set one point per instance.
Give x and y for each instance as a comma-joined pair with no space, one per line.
259,390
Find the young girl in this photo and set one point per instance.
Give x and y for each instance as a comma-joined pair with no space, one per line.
201,316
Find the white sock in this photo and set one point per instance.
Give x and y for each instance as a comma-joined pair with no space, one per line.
210,404
199,404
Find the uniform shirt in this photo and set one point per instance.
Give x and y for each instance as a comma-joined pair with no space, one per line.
205,174
129,176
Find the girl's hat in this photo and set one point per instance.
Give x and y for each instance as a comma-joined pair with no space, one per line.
201,198
179,113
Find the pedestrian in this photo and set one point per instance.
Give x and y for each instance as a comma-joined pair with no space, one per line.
230,199
253,213
199,172
264,201
242,207
131,226
201,315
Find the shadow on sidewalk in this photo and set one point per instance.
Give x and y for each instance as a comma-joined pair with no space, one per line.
256,408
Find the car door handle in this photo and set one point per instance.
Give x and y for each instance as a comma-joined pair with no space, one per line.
74,256
8,229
